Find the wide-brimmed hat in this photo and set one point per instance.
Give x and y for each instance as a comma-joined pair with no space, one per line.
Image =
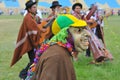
29,4
76,4
54,4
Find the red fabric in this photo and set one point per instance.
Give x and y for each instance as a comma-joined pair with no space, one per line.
77,15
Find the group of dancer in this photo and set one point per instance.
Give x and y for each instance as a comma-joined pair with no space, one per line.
51,43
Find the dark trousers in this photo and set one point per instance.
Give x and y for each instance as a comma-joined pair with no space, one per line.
88,52
23,72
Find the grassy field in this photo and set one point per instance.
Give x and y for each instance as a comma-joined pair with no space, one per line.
9,27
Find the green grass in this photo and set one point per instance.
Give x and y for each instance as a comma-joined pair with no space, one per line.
9,27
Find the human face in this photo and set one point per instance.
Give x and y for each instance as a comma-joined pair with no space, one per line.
57,9
33,9
77,9
80,38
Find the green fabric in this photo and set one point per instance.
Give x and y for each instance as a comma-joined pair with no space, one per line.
61,36
67,21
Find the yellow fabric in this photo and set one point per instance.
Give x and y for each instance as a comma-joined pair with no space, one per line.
55,27
79,23
74,22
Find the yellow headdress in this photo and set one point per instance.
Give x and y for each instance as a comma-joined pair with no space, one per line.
66,20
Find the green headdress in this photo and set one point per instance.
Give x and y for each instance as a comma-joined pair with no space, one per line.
62,23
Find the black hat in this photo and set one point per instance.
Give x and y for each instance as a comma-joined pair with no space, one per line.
76,4
55,3
29,4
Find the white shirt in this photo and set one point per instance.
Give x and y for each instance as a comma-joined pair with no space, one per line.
38,13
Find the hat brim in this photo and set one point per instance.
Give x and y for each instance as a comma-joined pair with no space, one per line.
79,23
55,6
31,5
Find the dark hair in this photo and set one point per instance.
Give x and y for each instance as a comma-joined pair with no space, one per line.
76,4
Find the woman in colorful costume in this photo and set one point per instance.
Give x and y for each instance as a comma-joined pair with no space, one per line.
53,60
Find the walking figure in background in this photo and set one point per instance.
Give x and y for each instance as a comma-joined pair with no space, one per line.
28,38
